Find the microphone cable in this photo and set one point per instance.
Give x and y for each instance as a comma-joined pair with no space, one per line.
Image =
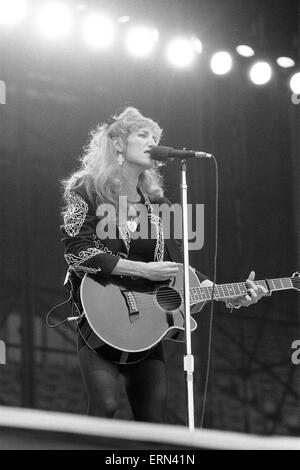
54,308
78,315
212,294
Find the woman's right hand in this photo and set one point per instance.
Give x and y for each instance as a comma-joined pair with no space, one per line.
160,270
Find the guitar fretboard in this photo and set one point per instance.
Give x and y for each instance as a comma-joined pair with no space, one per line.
224,291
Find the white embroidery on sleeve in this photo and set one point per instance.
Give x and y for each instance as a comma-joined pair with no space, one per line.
75,214
76,261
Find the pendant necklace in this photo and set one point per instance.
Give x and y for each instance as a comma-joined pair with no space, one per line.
131,218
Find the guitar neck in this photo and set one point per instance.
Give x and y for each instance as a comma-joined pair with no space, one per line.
226,291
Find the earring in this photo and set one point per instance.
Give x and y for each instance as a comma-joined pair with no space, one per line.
120,159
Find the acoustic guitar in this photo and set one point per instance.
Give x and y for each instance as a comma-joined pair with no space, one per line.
129,316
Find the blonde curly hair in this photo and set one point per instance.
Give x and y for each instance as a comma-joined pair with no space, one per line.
99,171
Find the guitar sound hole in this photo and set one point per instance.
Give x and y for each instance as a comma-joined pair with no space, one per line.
168,298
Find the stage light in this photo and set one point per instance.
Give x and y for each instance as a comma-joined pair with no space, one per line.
221,63
181,52
12,11
98,31
260,73
245,51
295,83
285,62
54,20
141,40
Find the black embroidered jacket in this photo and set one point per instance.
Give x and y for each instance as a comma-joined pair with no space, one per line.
86,252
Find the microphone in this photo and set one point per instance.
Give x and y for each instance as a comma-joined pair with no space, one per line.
162,153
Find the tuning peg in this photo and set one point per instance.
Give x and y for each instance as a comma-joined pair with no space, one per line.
296,274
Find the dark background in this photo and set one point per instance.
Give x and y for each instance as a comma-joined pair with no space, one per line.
55,95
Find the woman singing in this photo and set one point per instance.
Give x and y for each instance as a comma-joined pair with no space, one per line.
117,166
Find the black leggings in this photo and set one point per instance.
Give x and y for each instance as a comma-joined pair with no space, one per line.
145,381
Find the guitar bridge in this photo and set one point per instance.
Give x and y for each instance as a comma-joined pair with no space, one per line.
133,311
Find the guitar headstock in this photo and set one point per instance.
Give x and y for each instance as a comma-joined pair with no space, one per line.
296,280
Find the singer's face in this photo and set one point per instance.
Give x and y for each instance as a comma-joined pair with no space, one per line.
139,144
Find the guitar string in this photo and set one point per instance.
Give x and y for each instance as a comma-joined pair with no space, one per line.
221,287
164,298
170,296
194,297
175,293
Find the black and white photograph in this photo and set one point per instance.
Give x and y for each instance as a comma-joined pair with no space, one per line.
150,227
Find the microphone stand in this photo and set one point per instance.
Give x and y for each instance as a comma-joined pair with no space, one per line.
188,360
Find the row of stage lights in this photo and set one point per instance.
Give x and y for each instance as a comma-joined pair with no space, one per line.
54,21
